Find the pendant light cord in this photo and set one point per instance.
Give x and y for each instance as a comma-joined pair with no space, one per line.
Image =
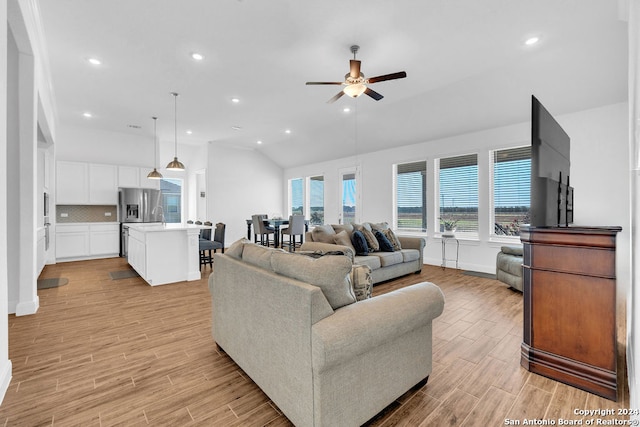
175,121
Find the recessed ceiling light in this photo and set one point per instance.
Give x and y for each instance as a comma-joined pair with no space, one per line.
287,131
197,56
235,100
94,61
189,132
87,114
346,109
259,142
532,40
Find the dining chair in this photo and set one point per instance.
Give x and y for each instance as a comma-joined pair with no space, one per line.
218,237
206,246
261,229
295,228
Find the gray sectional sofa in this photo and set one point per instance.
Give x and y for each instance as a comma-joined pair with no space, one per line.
291,323
408,258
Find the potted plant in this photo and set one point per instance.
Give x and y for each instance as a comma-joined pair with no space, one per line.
449,225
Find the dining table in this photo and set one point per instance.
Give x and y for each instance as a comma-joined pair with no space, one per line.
276,223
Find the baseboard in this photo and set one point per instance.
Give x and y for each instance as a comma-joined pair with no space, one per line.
5,378
28,307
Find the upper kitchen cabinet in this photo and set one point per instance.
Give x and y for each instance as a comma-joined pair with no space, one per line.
136,177
103,184
72,183
79,183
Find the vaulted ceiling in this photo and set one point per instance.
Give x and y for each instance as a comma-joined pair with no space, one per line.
467,66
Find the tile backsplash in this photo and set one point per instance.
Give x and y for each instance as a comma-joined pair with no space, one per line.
86,213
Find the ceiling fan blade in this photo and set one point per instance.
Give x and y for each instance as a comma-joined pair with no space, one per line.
393,76
335,98
354,68
324,83
372,93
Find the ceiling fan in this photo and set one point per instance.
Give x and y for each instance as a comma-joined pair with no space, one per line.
356,83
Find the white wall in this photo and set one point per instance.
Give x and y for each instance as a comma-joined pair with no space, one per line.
5,363
241,183
599,157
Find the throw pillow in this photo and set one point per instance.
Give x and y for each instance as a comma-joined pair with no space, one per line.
342,238
379,226
372,242
258,255
395,242
361,281
359,243
330,273
323,233
385,245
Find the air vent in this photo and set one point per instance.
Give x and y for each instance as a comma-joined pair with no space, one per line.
134,126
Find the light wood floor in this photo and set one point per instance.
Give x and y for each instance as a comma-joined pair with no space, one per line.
104,352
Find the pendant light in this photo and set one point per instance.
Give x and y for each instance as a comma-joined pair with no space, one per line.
175,164
154,174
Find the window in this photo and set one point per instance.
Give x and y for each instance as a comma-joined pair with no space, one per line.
411,190
348,198
458,192
316,200
297,196
511,190
171,190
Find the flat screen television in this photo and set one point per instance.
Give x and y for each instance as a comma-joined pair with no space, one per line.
551,194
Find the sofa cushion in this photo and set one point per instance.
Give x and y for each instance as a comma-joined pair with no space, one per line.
385,244
390,258
340,227
258,255
391,236
372,242
512,250
359,243
372,261
343,238
236,248
409,255
323,233
330,273
381,226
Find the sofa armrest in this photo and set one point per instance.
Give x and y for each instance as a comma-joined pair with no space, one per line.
408,242
327,247
357,328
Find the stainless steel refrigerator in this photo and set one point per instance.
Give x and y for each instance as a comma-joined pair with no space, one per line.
137,205
140,205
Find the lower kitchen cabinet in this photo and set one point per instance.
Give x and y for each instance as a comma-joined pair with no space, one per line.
86,241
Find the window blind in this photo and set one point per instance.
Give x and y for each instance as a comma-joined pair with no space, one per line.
511,189
316,200
458,191
411,196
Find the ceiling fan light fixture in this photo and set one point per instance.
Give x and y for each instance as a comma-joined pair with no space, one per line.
355,90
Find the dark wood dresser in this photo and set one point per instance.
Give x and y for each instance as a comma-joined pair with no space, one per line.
569,280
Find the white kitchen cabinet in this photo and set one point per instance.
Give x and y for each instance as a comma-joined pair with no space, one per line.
103,184
136,177
104,239
137,252
87,241
79,183
72,183
128,176
146,182
72,241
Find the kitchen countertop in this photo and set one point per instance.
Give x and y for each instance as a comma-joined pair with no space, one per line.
156,227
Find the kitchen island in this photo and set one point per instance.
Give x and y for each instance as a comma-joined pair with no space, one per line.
164,253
